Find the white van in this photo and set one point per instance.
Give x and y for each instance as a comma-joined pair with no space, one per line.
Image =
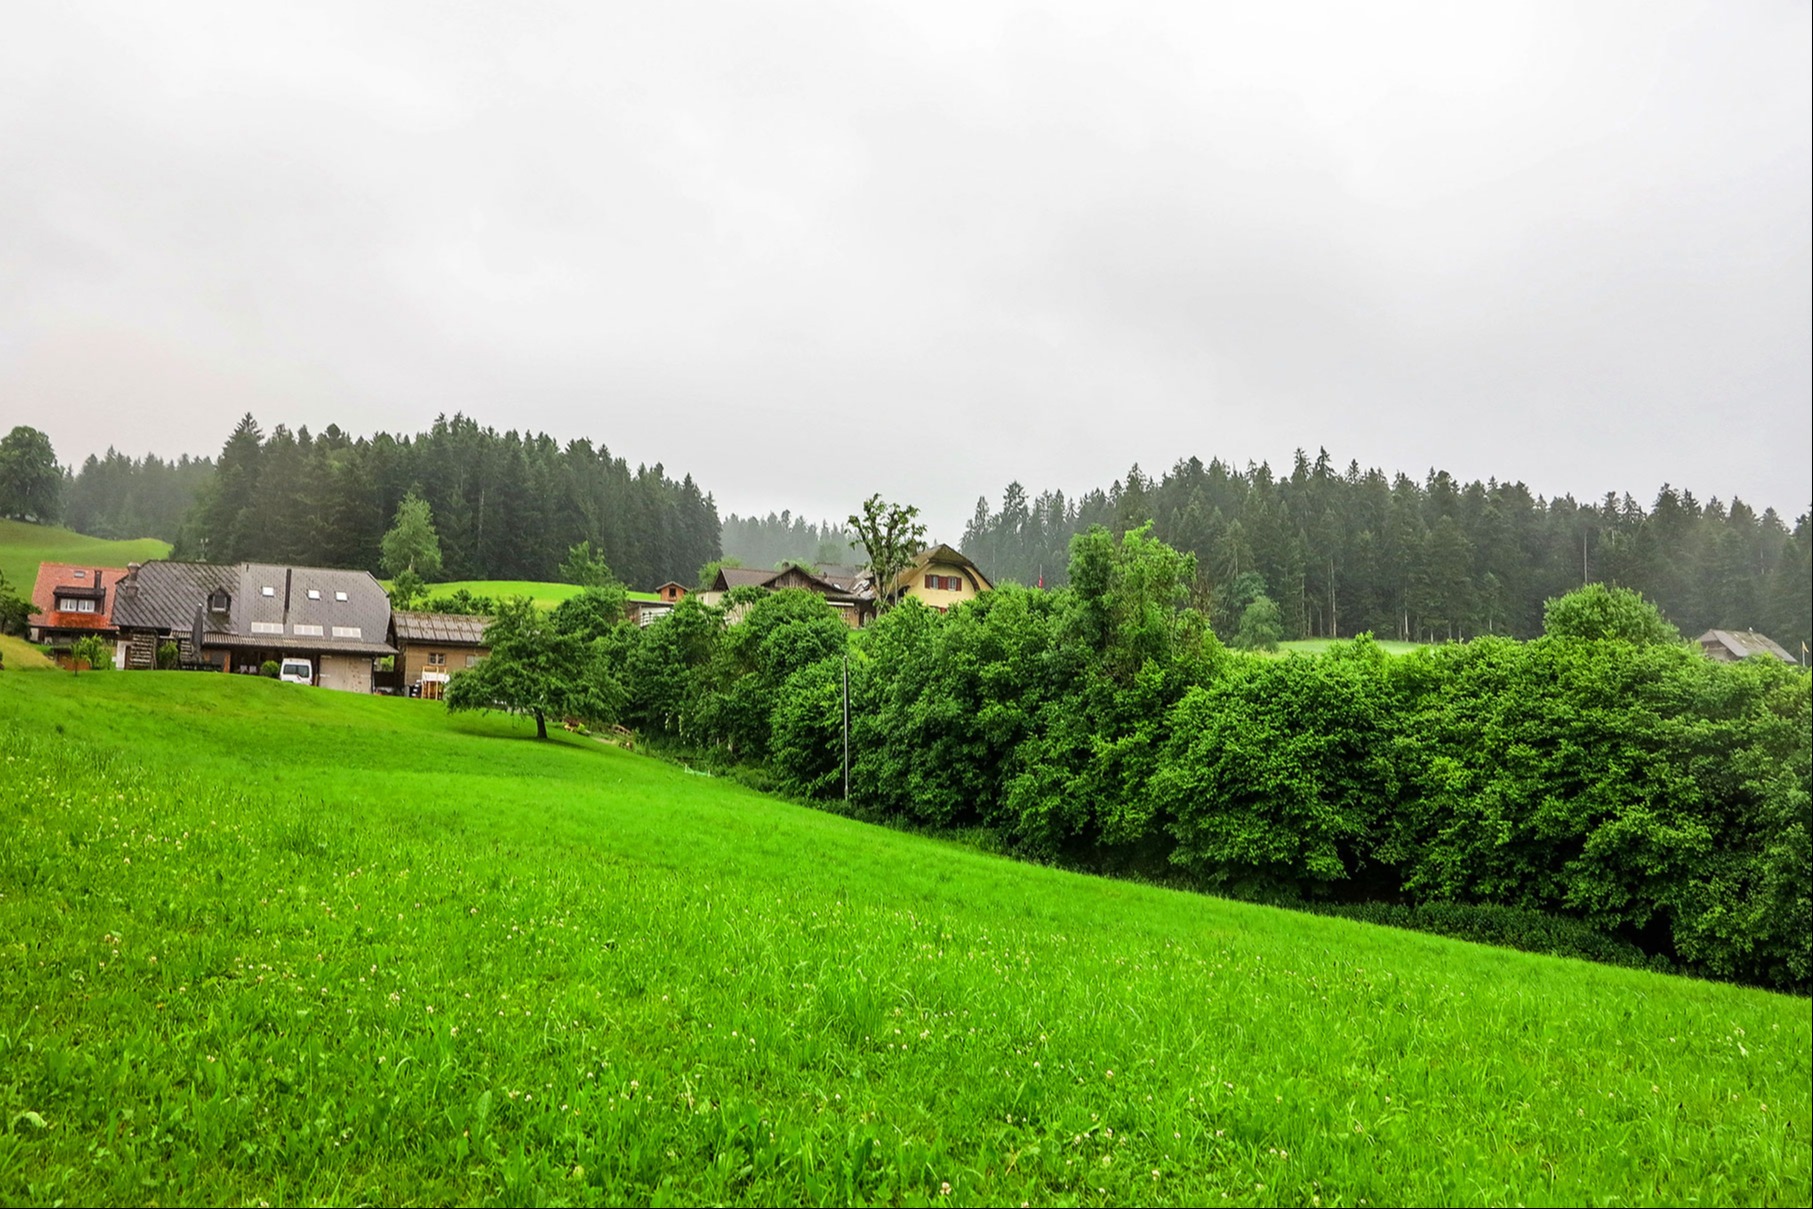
296,671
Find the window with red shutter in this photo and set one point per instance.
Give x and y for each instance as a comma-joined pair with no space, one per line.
931,581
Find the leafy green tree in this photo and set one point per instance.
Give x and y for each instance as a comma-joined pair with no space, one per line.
537,670
31,482
1260,626
407,590
668,670
1607,614
411,544
1278,777
892,537
462,602
778,634
15,612
91,652
593,614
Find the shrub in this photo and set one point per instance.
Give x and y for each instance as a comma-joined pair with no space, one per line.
168,655
268,668
1508,927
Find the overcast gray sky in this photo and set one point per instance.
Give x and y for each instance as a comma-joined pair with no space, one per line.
809,251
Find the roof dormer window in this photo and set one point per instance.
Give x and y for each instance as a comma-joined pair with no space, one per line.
218,600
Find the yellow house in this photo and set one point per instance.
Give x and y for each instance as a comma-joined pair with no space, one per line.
939,578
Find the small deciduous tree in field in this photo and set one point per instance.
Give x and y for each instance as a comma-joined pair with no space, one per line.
90,652
411,544
892,537
538,669
1605,613
1260,626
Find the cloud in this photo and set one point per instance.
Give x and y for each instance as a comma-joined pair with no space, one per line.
925,249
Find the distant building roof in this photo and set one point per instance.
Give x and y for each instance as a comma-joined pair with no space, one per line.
949,555
266,605
737,577
1741,644
65,580
450,629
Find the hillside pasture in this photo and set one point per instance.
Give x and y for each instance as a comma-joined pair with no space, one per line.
545,595
18,654
23,546
1317,646
271,942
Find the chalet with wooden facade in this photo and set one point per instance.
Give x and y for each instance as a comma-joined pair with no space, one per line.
234,618
940,577
74,603
852,603
644,612
433,646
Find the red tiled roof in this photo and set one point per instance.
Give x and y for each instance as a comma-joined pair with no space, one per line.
73,577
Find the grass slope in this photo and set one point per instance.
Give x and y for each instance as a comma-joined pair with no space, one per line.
23,546
1316,646
270,942
545,595
16,653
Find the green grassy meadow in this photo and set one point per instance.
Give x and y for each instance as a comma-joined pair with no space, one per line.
271,943
23,546
1316,646
545,595
17,653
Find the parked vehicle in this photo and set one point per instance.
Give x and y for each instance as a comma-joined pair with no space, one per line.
297,671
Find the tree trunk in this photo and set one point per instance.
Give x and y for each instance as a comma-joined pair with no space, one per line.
541,725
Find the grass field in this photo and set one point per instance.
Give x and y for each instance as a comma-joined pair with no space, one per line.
1315,646
266,942
24,546
17,653
546,595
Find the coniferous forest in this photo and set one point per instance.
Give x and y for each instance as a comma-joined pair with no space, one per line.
505,505
1344,552
1341,552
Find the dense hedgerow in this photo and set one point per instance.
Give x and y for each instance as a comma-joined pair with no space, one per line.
1606,773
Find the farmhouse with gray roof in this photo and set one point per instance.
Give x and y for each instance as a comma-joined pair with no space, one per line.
1729,646
234,618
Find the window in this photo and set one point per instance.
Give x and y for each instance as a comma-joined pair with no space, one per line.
217,601
76,604
931,581
314,593
268,590
437,657
340,596
348,631
306,631
472,661
956,583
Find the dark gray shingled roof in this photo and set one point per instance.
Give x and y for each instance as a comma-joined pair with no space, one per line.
1744,643
270,606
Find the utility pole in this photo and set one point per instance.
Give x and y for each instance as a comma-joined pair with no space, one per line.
846,727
